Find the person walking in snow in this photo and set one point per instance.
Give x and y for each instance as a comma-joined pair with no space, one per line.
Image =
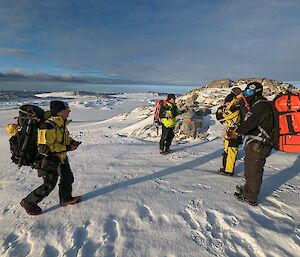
229,113
167,115
53,142
257,126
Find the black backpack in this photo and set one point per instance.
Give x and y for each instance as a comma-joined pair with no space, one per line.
23,145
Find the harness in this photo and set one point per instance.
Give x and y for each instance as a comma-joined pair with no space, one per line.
263,137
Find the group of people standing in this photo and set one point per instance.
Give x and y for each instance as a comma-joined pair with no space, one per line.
246,113
249,114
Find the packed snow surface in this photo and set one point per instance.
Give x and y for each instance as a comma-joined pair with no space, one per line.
136,202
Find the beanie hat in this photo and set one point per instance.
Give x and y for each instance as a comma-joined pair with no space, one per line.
57,106
236,90
171,96
253,88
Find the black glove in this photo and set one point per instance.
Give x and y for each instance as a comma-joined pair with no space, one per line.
75,143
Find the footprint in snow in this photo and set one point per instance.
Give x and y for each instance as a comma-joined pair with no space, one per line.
79,238
13,245
112,238
50,251
145,212
188,217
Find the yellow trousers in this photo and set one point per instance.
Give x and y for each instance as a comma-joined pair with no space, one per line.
229,156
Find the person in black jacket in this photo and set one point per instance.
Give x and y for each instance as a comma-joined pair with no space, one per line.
256,126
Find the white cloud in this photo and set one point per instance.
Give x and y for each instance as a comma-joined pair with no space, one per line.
12,51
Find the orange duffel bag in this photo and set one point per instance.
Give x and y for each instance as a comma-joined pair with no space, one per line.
287,122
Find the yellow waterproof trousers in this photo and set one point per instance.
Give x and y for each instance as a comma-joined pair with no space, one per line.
229,156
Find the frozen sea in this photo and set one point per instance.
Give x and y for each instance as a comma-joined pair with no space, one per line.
109,88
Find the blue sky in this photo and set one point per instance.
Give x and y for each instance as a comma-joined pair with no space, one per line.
165,41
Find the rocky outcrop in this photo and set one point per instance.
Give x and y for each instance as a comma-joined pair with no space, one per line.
222,83
189,122
199,103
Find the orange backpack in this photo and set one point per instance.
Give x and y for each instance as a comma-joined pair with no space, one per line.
158,105
287,122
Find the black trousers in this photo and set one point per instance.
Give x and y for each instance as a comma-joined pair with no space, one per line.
166,138
255,159
50,180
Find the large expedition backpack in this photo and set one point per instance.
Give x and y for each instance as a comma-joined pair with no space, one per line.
156,118
286,108
23,141
158,105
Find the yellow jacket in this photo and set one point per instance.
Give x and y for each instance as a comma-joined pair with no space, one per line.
54,138
230,114
168,113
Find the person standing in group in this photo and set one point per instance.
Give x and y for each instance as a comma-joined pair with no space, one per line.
257,127
229,113
53,142
167,115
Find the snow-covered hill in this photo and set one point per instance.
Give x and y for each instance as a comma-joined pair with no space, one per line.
139,203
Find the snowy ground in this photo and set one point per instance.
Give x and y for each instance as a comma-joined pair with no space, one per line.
139,203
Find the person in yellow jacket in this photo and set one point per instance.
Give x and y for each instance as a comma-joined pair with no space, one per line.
167,115
54,142
229,113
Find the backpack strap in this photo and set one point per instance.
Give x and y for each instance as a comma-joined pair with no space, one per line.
48,124
260,101
262,137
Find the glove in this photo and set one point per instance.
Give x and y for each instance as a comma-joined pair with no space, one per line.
231,133
168,115
73,145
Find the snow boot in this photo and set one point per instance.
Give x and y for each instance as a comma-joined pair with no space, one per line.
162,152
31,209
242,198
72,200
239,188
167,151
223,172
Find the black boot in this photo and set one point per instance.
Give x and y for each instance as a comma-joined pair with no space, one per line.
242,198
167,151
31,209
223,172
239,188
72,200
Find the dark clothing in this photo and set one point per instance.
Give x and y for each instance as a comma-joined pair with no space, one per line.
255,159
166,138
257,126
50,180
235,142
259,115
66,181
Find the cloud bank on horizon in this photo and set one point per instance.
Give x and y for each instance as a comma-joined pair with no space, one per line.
178,41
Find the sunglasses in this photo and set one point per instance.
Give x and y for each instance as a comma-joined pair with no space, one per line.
66,105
